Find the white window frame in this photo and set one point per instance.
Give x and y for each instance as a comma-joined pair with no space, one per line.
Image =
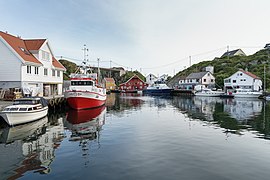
45,70
53,72
36,70
28,69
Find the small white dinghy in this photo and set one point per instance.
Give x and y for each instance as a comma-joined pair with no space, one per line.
25,110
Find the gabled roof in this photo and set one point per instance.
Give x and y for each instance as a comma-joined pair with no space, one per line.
182,78
152,75
232,53
249,74
34,44
109,80
19,46
135,76
198,75
23,47
57,64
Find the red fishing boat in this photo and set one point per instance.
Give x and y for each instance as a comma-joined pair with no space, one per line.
84,93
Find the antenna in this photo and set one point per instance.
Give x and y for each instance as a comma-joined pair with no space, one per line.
85,57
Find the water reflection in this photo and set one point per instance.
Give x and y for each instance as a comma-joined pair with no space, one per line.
85,124
234,115
116,103
243,109
29,147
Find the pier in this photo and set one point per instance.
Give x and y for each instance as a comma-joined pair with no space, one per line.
182,92
54,102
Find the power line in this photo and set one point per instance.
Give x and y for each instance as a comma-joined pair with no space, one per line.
186,59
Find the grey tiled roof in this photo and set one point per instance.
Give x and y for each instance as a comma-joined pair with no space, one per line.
198,75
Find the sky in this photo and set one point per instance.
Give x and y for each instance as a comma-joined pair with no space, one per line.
151,36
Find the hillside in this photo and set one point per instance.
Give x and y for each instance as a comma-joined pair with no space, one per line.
129,74
225,67
72,67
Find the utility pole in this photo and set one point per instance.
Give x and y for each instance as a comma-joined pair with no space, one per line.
228,52
110,68
264,80
267,47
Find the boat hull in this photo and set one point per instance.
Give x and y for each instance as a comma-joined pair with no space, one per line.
158,91
257,95
85,100
209,94
16,118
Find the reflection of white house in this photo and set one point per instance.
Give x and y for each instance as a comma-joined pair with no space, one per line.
29,147
200,78
46,144
243,109
150,79
29,65
206,105
243,79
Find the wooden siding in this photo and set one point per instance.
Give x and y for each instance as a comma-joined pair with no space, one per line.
10,64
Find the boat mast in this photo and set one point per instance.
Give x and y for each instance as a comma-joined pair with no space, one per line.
85,59
98,72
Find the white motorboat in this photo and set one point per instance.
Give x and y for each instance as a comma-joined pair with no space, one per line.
208,92
25,110
246,93
201,90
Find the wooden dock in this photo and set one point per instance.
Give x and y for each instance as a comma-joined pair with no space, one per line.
182,92
53,102
56,101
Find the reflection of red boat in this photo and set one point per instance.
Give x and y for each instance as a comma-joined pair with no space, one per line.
84,92
82,116
85,124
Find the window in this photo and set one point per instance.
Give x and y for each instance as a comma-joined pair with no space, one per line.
234,81
241,74
28,69
58,73
36,70
45,55
45,72
81,83
53,72
204,80
212,80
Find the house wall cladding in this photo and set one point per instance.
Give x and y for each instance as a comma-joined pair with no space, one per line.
9,71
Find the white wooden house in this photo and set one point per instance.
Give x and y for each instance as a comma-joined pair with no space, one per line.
243,79
150,79
29,65
236,52
201,78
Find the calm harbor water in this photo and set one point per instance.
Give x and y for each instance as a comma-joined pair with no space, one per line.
143,137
